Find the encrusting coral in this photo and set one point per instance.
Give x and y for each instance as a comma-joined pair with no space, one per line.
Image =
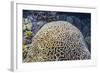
57,41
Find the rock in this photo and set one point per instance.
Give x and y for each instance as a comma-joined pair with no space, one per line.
70,19
88,41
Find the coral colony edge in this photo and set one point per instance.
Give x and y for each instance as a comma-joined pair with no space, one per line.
55,36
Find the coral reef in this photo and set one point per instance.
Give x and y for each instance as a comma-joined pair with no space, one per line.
51,36
56,41
35,19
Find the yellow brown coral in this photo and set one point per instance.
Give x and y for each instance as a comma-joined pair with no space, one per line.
57,41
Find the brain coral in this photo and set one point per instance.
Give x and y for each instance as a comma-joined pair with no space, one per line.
57,41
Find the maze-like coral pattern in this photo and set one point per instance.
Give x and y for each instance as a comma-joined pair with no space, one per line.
57,41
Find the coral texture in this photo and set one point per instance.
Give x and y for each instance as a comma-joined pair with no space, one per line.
57,41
